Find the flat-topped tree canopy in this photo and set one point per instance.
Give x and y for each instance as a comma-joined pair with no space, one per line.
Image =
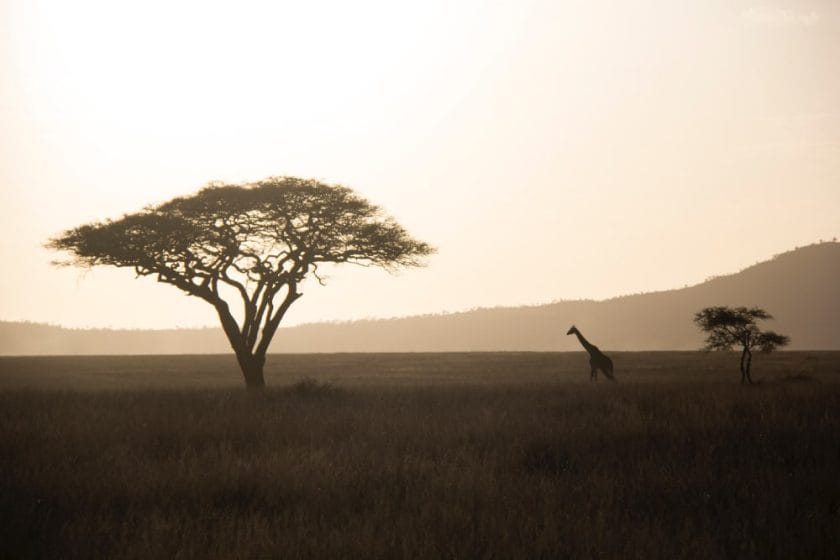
738,326
258,239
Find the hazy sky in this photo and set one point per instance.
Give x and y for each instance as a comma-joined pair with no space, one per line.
549,149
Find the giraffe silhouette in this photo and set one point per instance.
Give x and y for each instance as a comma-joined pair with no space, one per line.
597,359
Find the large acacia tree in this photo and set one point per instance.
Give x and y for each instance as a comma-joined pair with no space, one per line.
253,242
728,327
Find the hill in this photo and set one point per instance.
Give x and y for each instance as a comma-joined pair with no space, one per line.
798,287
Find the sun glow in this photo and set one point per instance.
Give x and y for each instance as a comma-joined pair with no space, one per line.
489,129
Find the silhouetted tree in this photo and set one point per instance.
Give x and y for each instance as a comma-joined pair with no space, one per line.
255,242
728,327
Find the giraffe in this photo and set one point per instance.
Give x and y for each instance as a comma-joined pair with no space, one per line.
597,359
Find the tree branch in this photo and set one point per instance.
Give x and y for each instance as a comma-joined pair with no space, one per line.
273,321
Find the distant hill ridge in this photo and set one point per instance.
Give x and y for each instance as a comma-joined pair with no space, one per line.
799,287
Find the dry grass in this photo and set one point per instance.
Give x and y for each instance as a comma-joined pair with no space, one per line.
423,456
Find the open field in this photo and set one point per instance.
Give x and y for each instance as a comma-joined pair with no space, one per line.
402,370
420,456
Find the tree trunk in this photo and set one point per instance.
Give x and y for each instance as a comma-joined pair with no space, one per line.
744,365
748,365
252,370
250,364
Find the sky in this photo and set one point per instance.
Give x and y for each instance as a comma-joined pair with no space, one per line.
550,150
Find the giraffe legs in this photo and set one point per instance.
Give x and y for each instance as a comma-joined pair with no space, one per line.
593,375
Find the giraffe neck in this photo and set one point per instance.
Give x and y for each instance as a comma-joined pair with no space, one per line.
585,343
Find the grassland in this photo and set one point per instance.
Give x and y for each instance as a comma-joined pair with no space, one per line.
420,456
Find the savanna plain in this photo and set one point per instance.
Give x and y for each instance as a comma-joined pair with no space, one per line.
473,455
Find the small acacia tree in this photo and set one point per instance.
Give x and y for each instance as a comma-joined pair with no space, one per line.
728,327
255,242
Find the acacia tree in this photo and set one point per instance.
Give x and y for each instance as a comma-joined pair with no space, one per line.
728,327
253,242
